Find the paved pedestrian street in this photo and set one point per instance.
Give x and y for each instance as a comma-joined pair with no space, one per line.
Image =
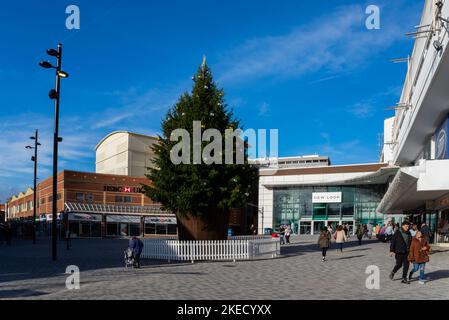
26,272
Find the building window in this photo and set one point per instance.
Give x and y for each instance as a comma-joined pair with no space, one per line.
118,199
127,199
80,197
50,198
305,227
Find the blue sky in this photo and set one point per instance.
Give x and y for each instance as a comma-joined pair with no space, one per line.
310,69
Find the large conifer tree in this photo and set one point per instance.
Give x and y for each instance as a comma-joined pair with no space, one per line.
201,195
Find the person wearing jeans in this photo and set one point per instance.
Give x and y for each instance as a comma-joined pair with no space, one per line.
340,238
400,244
419,256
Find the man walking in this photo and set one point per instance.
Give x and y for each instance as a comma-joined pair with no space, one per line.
400,245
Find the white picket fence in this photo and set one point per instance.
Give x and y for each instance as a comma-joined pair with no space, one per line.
249,237
228,250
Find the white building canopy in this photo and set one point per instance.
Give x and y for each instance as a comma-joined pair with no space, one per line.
413,186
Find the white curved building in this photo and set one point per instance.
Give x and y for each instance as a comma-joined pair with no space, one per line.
125,153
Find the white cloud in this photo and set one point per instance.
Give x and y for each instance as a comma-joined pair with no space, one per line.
335,43
264,109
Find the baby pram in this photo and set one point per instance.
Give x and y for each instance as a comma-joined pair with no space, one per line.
129,258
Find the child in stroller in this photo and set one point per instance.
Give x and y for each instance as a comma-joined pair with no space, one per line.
129,258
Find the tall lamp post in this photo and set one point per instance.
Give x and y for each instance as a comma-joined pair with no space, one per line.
55,95
34,159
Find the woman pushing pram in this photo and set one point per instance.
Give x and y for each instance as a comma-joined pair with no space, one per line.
133,252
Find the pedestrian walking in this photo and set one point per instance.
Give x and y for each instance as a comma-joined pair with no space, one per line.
370,230
425,230
413,229
324,241
288,233
340,238
400,246
253,229
419,256
282,234
137,246
389,232
68,239
360,232
377,230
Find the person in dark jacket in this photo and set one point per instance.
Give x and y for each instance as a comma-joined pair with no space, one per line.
137,246
324,241
425,231
360,232
400,246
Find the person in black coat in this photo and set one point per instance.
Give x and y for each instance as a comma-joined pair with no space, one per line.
400,246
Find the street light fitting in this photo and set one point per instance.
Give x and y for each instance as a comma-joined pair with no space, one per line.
53,94
46,65
62,74
32,138
53,53
29,147
60,139
437,45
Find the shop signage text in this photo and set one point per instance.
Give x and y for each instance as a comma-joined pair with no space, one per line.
326,197
123,189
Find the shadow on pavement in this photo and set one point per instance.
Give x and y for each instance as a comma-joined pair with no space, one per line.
435,275
351,257
20,293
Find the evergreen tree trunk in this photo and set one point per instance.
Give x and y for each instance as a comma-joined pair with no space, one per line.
210,227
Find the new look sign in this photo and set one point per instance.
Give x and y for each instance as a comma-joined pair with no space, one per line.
326,197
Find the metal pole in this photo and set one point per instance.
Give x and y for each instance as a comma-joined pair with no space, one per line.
35,188
263,231
55,155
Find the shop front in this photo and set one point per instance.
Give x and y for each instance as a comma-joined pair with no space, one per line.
442,234
84,225
161,226
95,220
313,208
123,226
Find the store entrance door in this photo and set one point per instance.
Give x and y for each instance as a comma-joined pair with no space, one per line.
318,226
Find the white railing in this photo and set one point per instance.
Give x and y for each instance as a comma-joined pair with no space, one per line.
250,237
227,250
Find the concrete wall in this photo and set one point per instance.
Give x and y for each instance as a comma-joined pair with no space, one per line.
112,156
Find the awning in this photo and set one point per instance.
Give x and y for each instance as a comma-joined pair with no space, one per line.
413,186
152,210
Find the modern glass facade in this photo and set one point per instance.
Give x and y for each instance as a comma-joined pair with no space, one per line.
293,206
